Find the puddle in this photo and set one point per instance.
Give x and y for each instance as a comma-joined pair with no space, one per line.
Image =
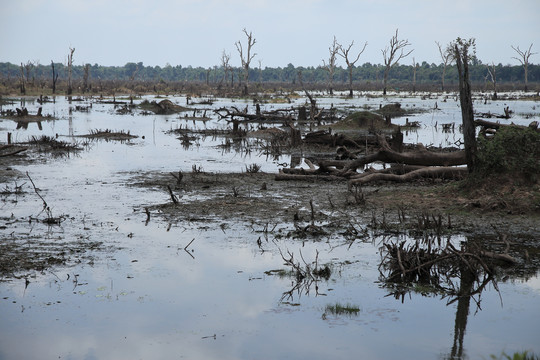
178,287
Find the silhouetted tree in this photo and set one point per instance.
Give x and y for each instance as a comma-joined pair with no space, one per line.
392,54
446,58
344,53
524,60
331,66
247,57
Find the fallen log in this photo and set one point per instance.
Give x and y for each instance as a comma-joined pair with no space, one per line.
9,150
495,125
425,172
421,157
310,177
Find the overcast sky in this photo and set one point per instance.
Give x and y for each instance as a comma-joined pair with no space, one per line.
193,32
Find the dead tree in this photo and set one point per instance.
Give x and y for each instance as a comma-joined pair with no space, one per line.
28,69
344,53
446,57
492,72
225,58
313,113
414,75
461,50
392,54
70,69
246,58
524,60
54,78
22,82
86,76
330,68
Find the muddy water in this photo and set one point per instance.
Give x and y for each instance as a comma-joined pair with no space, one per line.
199,290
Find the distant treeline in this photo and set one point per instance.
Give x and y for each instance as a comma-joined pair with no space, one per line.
362,74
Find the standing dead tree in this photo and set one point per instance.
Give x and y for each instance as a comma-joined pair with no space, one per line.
461,49
28,69
344,53
225,58
392,54
314,113
415,66
70,70
492,72
446,58
54,78
22,82
246,58
524,60
330,68
86,77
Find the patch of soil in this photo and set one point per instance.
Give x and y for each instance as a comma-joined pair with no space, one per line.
261,199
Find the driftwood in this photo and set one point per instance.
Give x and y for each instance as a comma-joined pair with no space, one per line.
407,166
10,150
445,172
420,157
496,126
271,116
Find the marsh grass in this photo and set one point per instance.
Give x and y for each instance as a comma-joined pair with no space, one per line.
338,309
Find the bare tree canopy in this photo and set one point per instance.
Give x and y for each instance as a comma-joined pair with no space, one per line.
225,58
331,66
344,53
524,60
446,57
246,58
392,54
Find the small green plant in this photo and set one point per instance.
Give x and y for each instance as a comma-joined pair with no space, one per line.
340,309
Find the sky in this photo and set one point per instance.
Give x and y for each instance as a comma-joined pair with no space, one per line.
300,32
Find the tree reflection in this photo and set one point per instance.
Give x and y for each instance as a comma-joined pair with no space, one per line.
435,266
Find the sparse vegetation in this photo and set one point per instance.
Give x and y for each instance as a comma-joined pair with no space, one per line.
340,309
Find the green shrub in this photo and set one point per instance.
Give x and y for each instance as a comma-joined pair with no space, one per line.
511,150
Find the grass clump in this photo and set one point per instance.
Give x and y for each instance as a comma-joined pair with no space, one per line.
340,309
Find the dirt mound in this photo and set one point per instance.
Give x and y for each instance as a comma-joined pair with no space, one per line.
392,110
362,120
164,107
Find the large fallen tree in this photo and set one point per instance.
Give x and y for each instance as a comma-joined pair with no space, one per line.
420,163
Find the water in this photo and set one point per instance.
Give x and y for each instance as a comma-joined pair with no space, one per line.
149,298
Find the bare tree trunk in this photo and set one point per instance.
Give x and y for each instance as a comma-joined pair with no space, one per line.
461,48
54,78
21,80
86,76
414,76
70,69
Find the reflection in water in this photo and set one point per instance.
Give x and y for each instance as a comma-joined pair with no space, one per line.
438,267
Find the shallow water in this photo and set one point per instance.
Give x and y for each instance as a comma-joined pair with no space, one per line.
151,299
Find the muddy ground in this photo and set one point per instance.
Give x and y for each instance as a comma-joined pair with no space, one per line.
313,210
